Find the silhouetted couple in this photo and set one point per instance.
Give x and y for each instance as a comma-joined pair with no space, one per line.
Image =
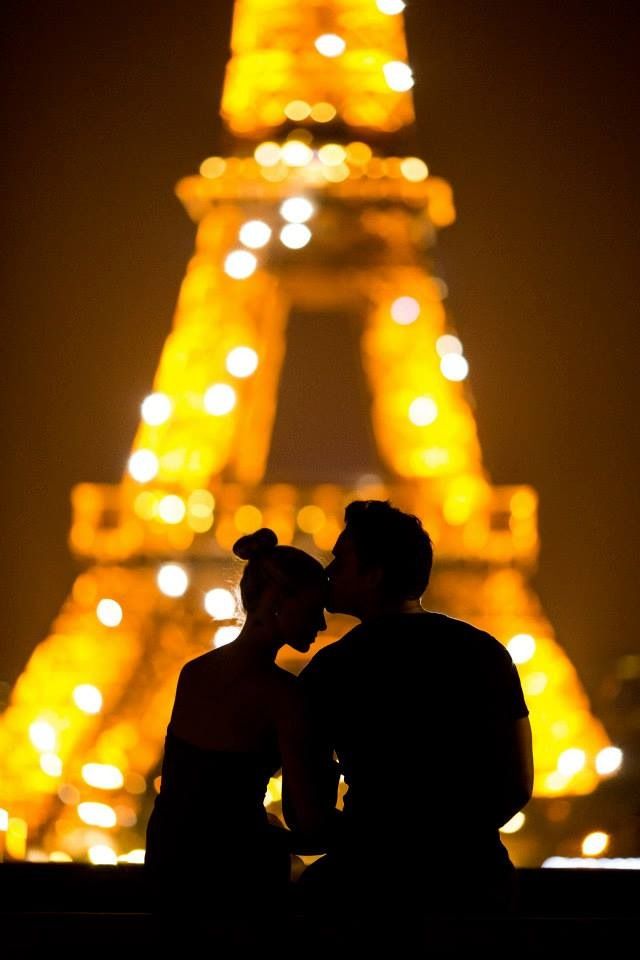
424,713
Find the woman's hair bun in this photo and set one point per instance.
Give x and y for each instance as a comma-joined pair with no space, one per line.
255,544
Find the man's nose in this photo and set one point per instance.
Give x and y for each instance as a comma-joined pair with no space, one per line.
323,624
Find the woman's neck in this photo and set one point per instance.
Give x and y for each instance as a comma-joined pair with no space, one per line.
256,643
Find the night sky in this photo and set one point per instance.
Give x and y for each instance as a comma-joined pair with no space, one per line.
528,108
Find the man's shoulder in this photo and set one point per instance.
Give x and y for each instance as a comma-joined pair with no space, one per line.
454,625
463,632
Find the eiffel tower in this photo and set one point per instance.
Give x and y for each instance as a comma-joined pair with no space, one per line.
311,361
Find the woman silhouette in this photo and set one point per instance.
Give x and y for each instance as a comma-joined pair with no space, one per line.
212,853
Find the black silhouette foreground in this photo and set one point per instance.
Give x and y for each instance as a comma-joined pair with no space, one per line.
428,720
216,863
424,713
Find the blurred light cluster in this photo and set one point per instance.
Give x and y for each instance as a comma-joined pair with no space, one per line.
85,726
355,71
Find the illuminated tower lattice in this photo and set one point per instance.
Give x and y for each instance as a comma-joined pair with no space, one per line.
314,213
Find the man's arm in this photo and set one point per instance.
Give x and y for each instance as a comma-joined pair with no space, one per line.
515,779
309,775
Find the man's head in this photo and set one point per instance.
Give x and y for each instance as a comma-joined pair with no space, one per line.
381,559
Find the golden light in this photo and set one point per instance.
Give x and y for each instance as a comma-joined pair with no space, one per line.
247,518
205,402
134,856
220,604
442,290
399,76
534,684
135,783
330,45
43,736
201,503
101,855
297,210
255,234
523,504
126,816
405,310
595,843
219,399
332,154
51,764
454,367
311,519
4,820
359,153
516,823
104,776
16,840
336,174
109,613
242,362
391,7
97,814
295,153
59,856
521,647
414,169
156,409
240,264
200,507
448,344
608,760
323,112
571,761
556,782
145,504
225,635
275,174
273,792
172,580
295,236
267,154
423,411
213,167
36,856
297,110
143,465
69,795
87,698
172,509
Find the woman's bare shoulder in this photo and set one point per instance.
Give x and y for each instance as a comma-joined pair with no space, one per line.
199,667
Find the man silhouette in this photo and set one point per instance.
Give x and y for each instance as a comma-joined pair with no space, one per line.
431,730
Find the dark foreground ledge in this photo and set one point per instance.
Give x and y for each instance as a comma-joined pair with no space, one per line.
80,888
44,906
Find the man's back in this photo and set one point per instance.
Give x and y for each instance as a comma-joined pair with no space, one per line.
418,708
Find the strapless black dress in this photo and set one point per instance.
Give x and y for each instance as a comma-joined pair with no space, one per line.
209,842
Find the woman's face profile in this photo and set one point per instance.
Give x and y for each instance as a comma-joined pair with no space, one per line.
301,617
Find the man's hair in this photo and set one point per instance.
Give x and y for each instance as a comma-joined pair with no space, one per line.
385,537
